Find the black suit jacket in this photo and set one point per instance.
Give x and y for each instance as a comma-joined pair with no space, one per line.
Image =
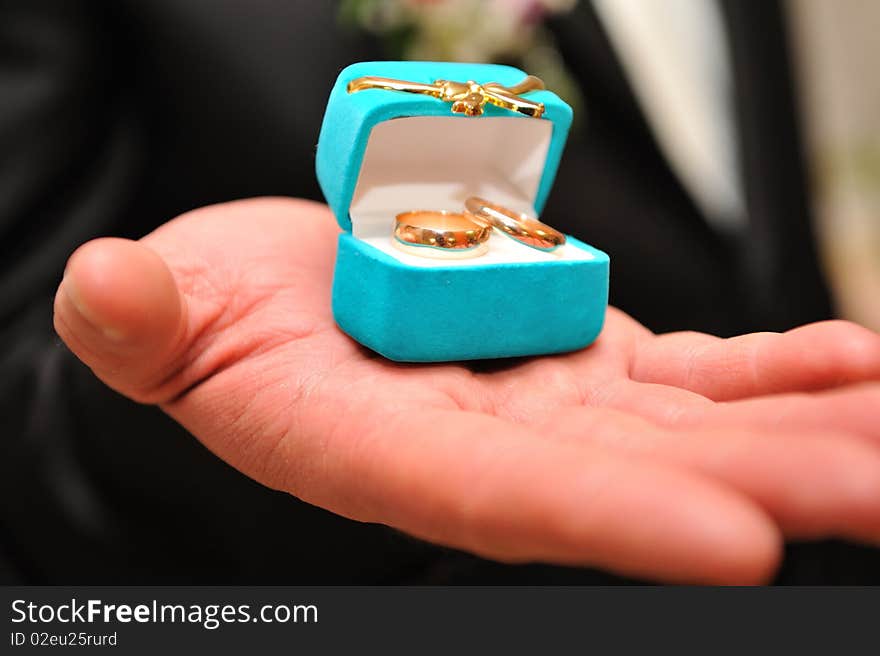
117,116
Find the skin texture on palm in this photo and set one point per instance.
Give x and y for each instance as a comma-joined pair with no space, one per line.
680,457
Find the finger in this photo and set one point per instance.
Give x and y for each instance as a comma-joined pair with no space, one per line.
812,357
813,485
119,310
153,318
853,410
481,484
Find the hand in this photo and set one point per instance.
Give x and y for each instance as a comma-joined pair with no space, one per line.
680,457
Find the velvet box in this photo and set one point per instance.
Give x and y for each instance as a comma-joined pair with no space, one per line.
383,152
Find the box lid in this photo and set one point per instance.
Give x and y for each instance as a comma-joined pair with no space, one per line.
519,152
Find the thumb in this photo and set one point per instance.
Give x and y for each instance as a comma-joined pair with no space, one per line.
119,310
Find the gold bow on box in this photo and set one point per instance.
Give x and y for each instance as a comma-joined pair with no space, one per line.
467,98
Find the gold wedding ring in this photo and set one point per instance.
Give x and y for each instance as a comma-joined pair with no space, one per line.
521,227
442,234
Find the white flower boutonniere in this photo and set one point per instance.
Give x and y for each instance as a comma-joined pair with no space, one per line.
503,31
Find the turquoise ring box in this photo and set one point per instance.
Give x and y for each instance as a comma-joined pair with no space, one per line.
383,152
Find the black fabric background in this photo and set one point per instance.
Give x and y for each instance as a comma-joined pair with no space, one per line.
116,116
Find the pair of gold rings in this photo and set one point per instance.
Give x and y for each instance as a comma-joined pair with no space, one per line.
445,234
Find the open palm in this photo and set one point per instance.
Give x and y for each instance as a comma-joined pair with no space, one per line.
680,457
